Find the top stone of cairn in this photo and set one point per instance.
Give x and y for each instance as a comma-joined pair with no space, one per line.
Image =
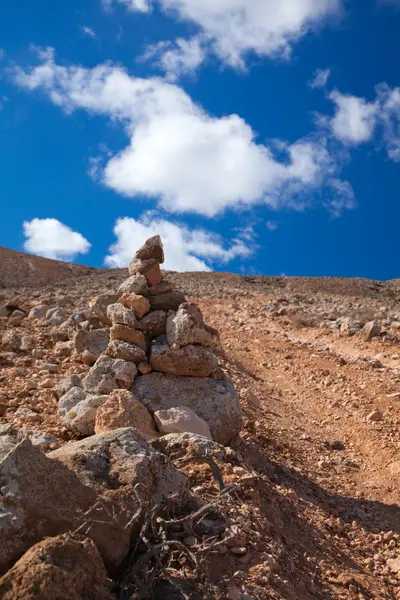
152,248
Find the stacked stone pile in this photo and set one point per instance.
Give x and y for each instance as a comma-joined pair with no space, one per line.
158,347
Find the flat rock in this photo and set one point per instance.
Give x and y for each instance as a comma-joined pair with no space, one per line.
128,334
65,567
121,315
139,304
190,360
152,248
108,374
217,402
77,410
41,497
126,351
99,305
182,445
113,463
122,409
181,419
167,301
187,326
155,323
137,284
161,288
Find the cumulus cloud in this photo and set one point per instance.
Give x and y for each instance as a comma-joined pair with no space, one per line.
186,249
176,58
52,239
354,120
235,28
188,160
320,78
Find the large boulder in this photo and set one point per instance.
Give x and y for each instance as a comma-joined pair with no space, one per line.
122,409
154,324
217,402
152,248
41,497
77,410
109,374
181,419
190,360
167,301
99,306
113,463
137,284
91,344
187,326
126,351
65,567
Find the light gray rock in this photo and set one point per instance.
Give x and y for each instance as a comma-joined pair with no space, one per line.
217,402
181,419
10,437
38,312
190,360
181,445
56,316
370,330
69,382
91,343
10,340
77,410
108,374
187,326
41,497
66,331
16,318
112,463
137,284
99,306
126,351
121,315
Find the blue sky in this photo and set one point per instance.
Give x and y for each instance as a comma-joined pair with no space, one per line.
253,138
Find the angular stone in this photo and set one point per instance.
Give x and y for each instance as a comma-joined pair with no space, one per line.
181,419
10,437
16,318
66,331
38,312
152,248
67,383
154,324
122,409
108,374
56,316
10,340
99,306
128,334
92,343
67,566
168,301
370,330
144,368
161,288
113,463
41,497
77,410
181,445
120,315
139,304
126,351
187,326
217,402
194,361
137,284
149,268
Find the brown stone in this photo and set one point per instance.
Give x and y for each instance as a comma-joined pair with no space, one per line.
154,323
149,268
128,334
194,361
120,315
168,301
126,351
122,409
137,284
161,288
152,248
139,304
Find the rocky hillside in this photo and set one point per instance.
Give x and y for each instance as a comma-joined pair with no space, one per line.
244,449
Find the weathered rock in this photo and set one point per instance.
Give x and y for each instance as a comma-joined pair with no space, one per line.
38,312
10,437
137,284
375,416
370,330
99,306
155,323
168,301
217,402
77,410
10,340
161,288
144,368
126,351
149,268
194,361
112,463
121,315
139,304
27,343
67,383
16,318
122,409
108,374
128,334
66,331
91,344
187,326
152,248
66,567
56,316
63,349
181,419
41,497
349,327
180,445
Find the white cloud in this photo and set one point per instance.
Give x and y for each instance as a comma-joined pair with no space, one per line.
134,5
389,114
177,58
354,120
341,198
235,28
320,79
187,159
52,239
272,225
88,32
185,249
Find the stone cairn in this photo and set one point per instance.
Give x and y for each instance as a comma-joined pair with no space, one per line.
161,350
